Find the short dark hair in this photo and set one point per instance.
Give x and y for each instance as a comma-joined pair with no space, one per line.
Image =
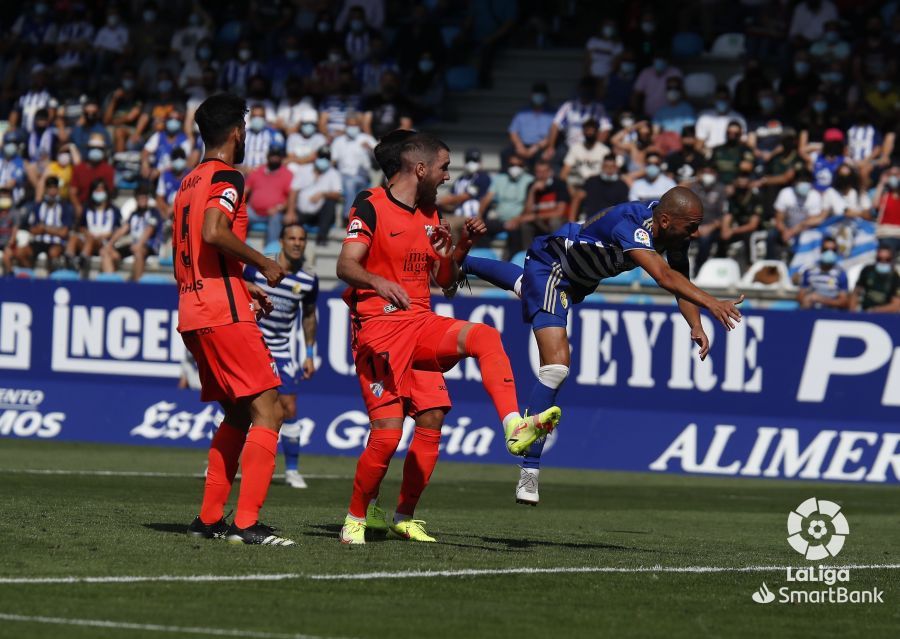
143,188
97,182
423,144
177,152
51,181
387,152
828,239
653,154
287,226
218,115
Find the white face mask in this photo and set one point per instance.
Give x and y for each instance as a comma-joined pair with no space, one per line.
472,167
352,131
515,171
64,159
708,179
307,129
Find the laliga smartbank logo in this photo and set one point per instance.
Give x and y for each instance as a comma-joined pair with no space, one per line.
817,529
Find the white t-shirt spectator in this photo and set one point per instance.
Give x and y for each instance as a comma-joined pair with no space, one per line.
112,39
794,210
585,162
643,189
300,146
602,52
837,204
184,41
353,157
712,126
653,86
329,181
572,115
811,24
290,114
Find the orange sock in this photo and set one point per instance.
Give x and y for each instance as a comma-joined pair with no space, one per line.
224,452
421,459
257,468
371,468
483,342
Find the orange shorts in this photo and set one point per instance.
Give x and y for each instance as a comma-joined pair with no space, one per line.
233,361
393,382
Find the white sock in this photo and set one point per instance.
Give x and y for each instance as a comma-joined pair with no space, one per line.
399,517
359,520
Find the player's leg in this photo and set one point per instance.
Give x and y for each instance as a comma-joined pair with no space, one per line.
290,441
54,256
505,275
553,346
421,458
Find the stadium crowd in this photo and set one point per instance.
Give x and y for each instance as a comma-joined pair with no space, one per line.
99,99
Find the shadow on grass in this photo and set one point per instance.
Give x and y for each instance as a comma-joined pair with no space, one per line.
175,529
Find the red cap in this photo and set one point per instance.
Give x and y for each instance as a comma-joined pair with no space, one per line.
833,135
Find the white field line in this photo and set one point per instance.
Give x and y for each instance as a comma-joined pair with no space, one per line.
423,574
137,473
124,625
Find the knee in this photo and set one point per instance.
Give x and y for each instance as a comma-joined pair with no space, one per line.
430,419
482,338
553,375
289,407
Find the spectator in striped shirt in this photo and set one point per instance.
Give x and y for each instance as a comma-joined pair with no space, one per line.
825,284
93,228
9,228
49,223
156,156
13,170
43,139
864,146
37,97
138,237
261,139
570,118
358,36
237,72
169,182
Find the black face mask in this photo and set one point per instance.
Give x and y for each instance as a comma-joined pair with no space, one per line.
843,182
734,139
274,166
91,118
590,139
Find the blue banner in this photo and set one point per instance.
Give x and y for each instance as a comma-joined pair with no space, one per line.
808,395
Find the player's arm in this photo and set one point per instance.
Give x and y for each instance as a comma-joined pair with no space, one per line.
309,323
678,261
217,232
676,283
350,269
445,270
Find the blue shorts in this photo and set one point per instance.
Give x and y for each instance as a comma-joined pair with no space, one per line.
290,372
545,301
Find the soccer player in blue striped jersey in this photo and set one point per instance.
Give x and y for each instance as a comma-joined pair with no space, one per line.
563,268
293,297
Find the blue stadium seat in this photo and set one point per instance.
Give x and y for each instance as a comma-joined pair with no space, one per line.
622,279
109,277
519,258
687,44
258,227
24,273
493,293
155,278
502,236
461,78
64,274
272,248
166,260
783,305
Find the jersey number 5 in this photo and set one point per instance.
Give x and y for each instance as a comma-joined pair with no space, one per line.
185,241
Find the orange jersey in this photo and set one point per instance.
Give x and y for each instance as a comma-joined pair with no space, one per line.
400,250
211,289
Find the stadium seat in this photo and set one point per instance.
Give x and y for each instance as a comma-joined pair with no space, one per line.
644,278
699,86
461,78
502,236
493,293
155,278
166,260
23,273
64,274
622,279
728,46
258,227
109,277
853,274
719,272
687,44
784,305
784,278
519,258
272,248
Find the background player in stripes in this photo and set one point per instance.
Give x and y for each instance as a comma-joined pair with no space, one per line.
563,268
292,298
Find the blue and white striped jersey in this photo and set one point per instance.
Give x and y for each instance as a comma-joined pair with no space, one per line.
52,214
296,291
598,248
257,145
101,220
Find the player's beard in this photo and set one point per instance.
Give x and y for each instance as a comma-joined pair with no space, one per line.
239,153
426,195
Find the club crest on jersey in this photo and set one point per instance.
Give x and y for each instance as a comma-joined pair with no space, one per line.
429,229
229,199
564,299
641,236
354,227
390,308
377,389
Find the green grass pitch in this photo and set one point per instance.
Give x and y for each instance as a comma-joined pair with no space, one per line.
77,525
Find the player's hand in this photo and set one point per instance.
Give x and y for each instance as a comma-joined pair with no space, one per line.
474,227
698,335
262,305
272,271
441,240
309,368
392,292
726,312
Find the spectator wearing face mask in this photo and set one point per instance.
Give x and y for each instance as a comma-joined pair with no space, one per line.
88,125
158,108
677,113
371,71
295,107
878,287
36,98
85,173
154,33
466,192
388,110
357,36
199,77
49,222
814,121
92,228
140,237
651,84
504,202
845,198
882,96
798,84
715,204
123,109
323,37
316,202
620,83
584,158
571,116
529,131
732,156
62,168
237,71
765,130
683,166
43,141
825,284
887,204
831,46
156,155
170,181
797,208
112,38
604,189
654,183
743,217
261,139
712,125
303,146
351,153
268,189
646,38
13,173
781,169
425,86
824,164
373,12
602,49
546,205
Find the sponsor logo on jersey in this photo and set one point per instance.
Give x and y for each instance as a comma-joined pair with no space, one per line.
377,388
229,199
641,236
354,227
